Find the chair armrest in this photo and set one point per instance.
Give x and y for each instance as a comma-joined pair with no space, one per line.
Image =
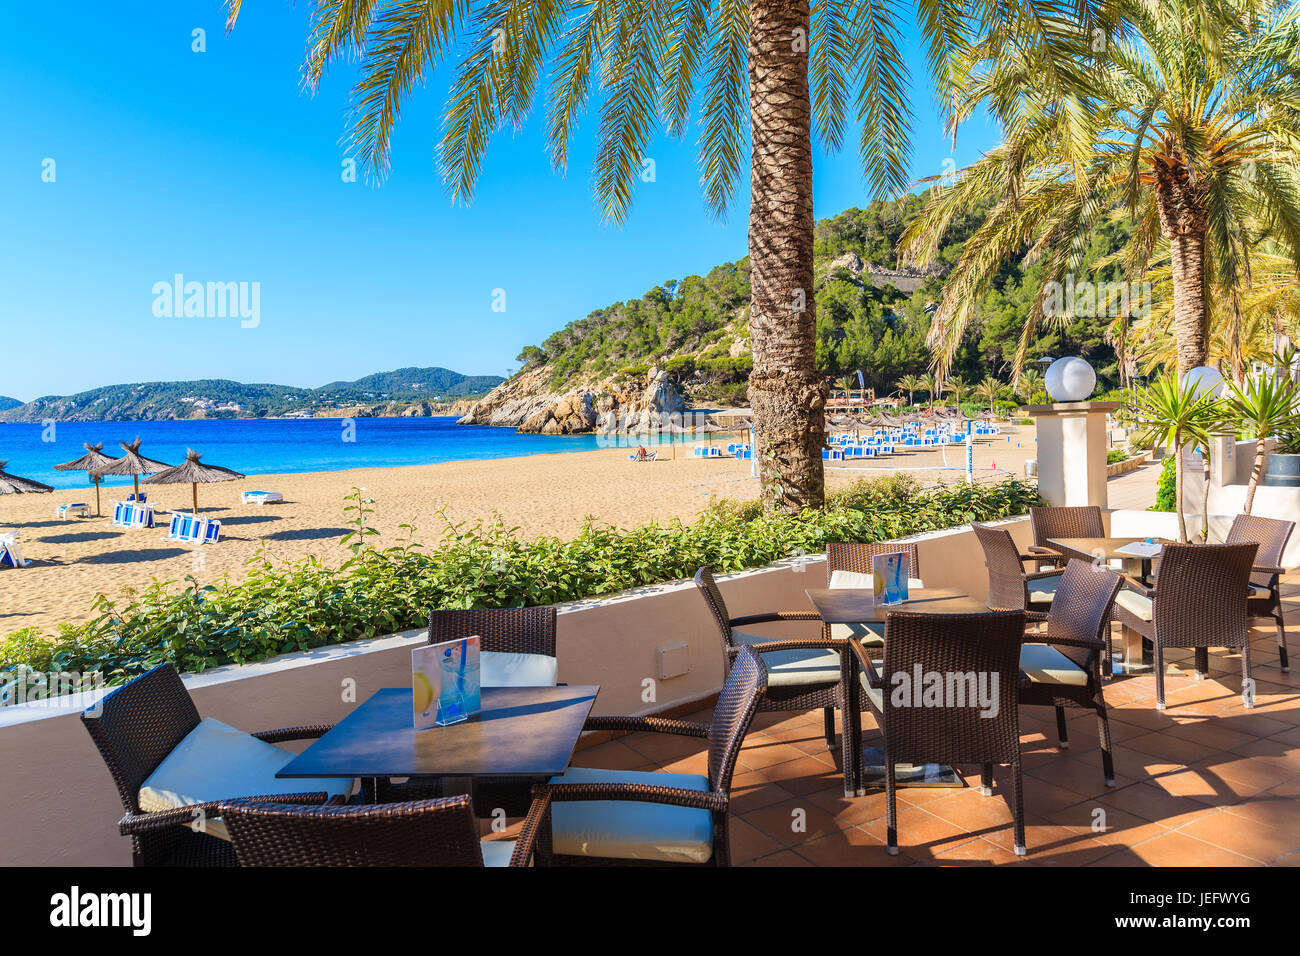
868,668
1039,551
1266,569
800,644
647,725
1035,637
635,792
138,823
1130,584
306,732
1035,575
538,818
769,617
1037,617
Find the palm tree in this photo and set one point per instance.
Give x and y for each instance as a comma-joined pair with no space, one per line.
1185,120
1031,385
929,383
956,387
910,384
990,391
1178,416
777,69
1267,405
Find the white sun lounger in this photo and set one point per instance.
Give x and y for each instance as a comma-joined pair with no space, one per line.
190,529
650,456
80,508
261,497
10,554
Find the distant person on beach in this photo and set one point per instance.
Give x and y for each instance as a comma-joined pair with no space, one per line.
641,453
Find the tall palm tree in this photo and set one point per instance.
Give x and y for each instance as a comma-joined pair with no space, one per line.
1031,384
792,65
990,391
957,388
930,385
1186,120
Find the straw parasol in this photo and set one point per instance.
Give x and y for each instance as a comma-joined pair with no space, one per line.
133,464
13,485
710,427
91,463
193,472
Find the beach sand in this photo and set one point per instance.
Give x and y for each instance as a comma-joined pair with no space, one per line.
73,560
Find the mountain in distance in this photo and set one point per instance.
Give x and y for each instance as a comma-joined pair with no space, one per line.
7,403
410,391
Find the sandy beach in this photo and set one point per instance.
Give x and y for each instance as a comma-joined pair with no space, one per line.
73,560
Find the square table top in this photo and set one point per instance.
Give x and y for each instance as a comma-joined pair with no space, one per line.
857,605
1108,547
522,732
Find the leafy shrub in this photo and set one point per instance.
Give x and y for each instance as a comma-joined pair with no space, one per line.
305,604
683,366
1166,498
1116,455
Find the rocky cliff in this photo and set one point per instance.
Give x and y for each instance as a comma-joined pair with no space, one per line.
527,402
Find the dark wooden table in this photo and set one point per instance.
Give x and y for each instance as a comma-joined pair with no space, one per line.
864,768
522,732
1136,659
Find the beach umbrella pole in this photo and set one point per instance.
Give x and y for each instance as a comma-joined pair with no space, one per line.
195,487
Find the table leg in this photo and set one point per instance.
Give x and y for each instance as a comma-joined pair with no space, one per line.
1137,660
850,721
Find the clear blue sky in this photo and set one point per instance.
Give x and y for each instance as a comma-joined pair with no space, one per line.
215,165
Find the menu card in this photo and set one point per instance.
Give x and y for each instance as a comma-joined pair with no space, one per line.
891,574
445,682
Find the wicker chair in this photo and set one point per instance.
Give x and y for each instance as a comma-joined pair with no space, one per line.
1081,521
135,727
528,630
1265,595
857,557
423,833
1011,588
1061,666
800,678
613,817
949,644
1196,603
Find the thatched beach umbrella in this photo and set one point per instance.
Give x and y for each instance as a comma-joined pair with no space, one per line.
193,472
91,463
13,485
133,464
710,427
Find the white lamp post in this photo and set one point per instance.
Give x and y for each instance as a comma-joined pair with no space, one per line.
1072,437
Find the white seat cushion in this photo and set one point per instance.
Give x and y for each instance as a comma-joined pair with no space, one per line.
497,852
1139,605
1043,591
631,830
1044,664
873,634
792,668
216,762
854,579
499,669
877,694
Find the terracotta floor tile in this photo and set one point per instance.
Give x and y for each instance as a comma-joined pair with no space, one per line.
750,843
794,821
1178,849
1249,838
851,847
921,834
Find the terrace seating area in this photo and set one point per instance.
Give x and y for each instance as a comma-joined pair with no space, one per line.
1067,746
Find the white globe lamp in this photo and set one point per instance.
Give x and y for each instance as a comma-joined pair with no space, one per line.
1204,380
1070,379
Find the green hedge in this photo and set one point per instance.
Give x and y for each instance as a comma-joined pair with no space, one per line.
304,604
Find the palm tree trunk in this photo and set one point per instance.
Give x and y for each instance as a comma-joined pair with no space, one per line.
1257,473
1180,203
787,396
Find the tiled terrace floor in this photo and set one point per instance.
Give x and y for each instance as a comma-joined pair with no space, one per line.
1205,783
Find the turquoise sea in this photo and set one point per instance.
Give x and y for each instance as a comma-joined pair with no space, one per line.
278,446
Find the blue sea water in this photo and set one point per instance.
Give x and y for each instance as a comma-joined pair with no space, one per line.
277,446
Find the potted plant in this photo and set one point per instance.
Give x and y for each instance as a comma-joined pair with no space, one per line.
1266,405
1179,416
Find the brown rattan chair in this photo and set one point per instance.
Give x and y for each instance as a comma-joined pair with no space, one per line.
1078,521
1061,666
963,649
135,727
1196,603
527,630
441,832
1011,587
614,817
856,558
1265,596
800,678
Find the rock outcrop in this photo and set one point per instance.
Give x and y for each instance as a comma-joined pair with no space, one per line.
528,403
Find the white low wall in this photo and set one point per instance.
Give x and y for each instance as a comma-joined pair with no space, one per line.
58,805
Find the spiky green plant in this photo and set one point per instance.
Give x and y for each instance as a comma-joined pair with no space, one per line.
1267,405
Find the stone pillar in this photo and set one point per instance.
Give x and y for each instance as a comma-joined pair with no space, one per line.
1072,452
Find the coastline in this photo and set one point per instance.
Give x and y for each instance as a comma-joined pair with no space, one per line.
546,494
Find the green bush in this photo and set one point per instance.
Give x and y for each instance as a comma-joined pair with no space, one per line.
1115,455
683,366
1166,490
305,604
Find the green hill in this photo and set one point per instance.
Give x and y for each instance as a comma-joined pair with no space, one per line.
7,403
221,398
873,314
